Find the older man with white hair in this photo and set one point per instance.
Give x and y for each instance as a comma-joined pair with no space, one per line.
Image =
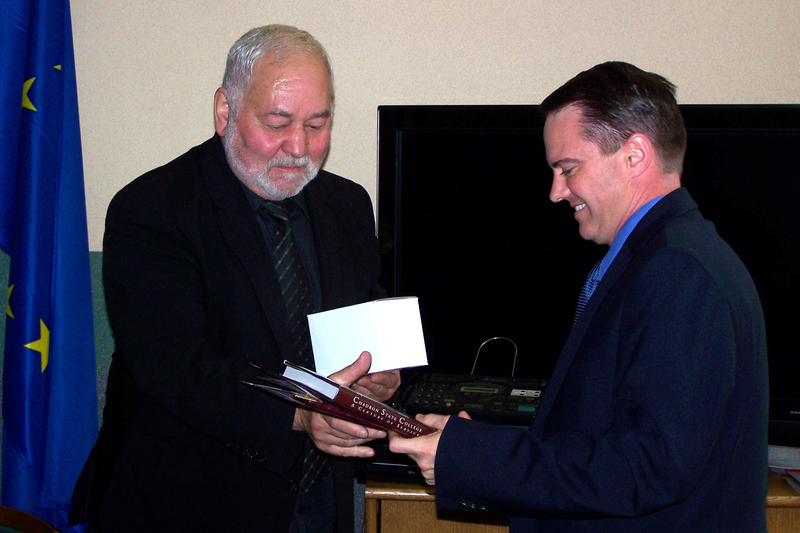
213,261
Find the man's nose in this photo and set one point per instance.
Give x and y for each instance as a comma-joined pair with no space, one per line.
296,143
558,190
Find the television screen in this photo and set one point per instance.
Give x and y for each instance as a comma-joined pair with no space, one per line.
466,224
477,240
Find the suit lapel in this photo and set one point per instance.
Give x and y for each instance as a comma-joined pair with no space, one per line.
575,337
240,229
672,205
332,255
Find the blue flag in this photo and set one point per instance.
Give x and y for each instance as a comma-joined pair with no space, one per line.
49,383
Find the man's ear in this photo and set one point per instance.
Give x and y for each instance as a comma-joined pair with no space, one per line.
639,154
221,111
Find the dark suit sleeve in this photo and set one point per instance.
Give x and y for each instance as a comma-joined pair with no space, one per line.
635,421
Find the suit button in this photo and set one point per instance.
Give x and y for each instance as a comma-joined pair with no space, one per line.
294,485
473,506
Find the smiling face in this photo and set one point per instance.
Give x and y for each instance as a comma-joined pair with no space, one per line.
281,133
593,184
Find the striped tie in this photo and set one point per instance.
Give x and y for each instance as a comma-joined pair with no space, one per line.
299,303
586,292
293,281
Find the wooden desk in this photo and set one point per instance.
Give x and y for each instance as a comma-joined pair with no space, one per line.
783,506
399,508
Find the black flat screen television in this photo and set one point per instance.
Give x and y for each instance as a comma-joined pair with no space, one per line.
465,224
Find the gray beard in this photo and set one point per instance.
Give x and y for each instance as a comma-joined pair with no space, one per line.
259,178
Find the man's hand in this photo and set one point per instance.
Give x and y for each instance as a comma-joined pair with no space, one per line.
423,449
339,437
380,385
335,436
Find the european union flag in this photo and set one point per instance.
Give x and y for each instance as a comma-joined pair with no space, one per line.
49,384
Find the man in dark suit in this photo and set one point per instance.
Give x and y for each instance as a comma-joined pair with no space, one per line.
655,416
193,297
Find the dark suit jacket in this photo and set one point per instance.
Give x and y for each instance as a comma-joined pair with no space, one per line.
192,297
655,417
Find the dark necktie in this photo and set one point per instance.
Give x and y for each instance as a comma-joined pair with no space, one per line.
586,292
293,281
299,303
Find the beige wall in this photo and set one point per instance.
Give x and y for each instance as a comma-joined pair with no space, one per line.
147,69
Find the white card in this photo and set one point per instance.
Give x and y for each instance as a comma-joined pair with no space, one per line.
390,329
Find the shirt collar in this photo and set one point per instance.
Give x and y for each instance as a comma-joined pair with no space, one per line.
256,201
623,234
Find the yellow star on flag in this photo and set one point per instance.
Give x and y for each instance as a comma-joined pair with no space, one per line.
43,344
8,302
26,102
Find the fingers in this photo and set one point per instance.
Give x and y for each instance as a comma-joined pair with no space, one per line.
398,444
350,430
428,476
416,447
380,385
352,373
435,421
421,449
389,379
339,437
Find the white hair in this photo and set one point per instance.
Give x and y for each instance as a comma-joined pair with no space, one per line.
279,42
